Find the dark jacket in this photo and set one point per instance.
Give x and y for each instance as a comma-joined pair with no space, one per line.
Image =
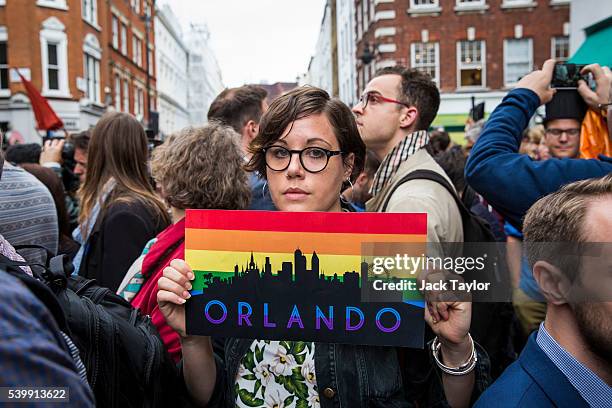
532,381
512,182
117,239
355,376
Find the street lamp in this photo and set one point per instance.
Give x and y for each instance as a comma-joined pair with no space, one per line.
368,55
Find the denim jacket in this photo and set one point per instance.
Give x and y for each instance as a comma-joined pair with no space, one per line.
350,376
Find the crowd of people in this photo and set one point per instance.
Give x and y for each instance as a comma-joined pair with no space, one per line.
117,212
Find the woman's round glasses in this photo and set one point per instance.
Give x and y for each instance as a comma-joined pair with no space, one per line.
313,159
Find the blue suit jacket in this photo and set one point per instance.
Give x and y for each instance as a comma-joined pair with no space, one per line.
531,381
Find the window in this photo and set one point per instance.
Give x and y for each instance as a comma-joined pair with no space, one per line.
53,47
138,102
4,68
117,93
123,39
518,59
423,4
92,53
115,29
471,64
92,78
126,96
90,11
560,48
137,50
136,5
52,66
426,58
150,61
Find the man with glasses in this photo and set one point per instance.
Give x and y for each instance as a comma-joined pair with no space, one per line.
512,182
393,115
564,115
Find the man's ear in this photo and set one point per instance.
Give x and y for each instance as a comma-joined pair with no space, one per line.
362,179
409,117
553,283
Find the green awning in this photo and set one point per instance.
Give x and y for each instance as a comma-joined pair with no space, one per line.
597,47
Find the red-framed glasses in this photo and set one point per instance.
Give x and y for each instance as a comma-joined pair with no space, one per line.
375,98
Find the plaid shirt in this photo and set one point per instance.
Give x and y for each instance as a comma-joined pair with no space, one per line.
400,153
32,349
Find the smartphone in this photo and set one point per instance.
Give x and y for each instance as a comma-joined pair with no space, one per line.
566,76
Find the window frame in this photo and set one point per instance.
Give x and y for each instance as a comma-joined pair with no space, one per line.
89,12
553,44
53,31
124,38
92,55
115,31
529,60
483,59
434,5
117,88
413,63
137,45
126,95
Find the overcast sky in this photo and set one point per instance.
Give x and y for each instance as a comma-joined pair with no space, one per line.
256,40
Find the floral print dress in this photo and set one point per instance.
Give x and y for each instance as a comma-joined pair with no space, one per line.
277,374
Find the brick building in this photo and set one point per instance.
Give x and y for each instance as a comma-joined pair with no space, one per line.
67,49
471,48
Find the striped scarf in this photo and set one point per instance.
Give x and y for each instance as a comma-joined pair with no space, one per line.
400,153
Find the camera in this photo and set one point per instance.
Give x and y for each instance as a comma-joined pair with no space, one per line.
566,76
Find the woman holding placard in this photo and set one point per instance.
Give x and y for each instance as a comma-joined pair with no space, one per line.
308,146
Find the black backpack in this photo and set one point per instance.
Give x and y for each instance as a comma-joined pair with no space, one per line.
492,322
127,364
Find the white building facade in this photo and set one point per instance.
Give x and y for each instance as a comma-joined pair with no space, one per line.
203,74
172,58
347,73
320,70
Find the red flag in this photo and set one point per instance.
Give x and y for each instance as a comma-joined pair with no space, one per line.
46,118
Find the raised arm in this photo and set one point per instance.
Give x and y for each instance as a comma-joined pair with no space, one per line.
512,182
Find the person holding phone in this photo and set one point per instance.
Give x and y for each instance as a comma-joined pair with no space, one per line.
308,146
512,182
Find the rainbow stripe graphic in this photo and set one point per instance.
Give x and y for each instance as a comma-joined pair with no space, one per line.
216,241
278,275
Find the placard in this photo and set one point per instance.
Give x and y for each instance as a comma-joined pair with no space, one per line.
298,276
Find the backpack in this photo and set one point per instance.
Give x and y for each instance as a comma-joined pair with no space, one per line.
492,322
127,364
475,229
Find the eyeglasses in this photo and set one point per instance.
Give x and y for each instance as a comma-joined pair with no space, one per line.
376,98
558,132
313,159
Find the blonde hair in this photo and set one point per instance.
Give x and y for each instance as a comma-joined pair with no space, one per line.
202,167
554,225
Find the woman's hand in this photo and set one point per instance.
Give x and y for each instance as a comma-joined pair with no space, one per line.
174,287
449,314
